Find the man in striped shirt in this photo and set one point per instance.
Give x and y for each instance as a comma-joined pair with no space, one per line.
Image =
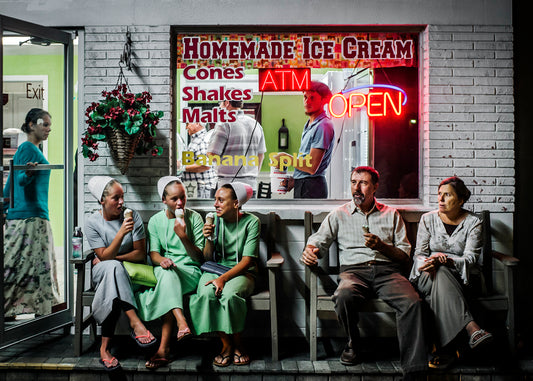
372,243
233,141
204,175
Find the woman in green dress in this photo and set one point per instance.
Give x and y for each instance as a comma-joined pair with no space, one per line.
219,304
176,243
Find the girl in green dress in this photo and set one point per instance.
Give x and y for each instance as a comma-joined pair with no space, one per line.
219,304
176,243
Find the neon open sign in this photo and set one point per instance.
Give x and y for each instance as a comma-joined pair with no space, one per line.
383,100
284,79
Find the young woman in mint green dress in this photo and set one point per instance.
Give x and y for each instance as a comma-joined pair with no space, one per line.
219,304
176,245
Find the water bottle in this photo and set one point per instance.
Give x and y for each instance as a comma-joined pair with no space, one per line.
77,243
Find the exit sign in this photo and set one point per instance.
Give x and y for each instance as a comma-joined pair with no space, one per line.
284,79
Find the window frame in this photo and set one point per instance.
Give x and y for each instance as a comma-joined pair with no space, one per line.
310,29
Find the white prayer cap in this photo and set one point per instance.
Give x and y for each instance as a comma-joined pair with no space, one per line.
97,185
243,191
164,181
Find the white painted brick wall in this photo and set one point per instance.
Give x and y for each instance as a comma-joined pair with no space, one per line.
152,72
467,109
467,125
471,113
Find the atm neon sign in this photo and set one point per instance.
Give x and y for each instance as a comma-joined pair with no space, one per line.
382,100
284,79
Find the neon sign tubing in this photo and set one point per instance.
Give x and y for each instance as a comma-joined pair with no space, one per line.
385,86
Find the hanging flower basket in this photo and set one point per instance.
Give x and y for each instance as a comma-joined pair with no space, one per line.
122,147
125,121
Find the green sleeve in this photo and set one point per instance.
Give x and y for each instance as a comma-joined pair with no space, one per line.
195,228
155,242
253,234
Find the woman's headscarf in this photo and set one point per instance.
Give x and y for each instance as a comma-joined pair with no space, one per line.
97,186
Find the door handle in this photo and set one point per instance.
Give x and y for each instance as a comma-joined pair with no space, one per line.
13,168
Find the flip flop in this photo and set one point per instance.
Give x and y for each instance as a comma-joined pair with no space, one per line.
156,363
480,337
184,333
140,343
222,363
240,357
105,363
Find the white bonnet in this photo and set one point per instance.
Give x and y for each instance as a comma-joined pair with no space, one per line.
97,185
243,191
164,181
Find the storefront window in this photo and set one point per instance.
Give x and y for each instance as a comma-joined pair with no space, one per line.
374,108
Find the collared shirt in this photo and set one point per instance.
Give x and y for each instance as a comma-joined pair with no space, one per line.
344,225
463,245
319,134
232,140
198,145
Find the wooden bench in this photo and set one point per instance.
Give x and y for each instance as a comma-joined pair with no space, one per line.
319,304
263,300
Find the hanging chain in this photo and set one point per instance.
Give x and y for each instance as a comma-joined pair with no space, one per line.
125,57
125,61
122,80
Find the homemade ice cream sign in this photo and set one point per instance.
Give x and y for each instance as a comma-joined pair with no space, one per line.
305,48
285,62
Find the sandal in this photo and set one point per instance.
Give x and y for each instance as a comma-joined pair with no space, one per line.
441,362
140,343
184,333
238,359
479,337
222,363
108,364
156,362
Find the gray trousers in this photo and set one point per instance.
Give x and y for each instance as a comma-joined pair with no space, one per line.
360,282
111,282
444,294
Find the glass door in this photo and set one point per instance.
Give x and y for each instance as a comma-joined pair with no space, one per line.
36,151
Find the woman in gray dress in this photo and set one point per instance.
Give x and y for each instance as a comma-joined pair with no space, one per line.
114,239
445,264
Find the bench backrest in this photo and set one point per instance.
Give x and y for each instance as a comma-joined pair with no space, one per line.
411,219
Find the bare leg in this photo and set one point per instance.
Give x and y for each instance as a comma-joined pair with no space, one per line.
105,354
224,358
166,333
239,355
180,319
138,327
472,327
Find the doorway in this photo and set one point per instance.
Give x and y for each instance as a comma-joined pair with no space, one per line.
37,127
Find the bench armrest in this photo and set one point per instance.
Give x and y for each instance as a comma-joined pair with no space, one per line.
87,257
275,261
505,259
